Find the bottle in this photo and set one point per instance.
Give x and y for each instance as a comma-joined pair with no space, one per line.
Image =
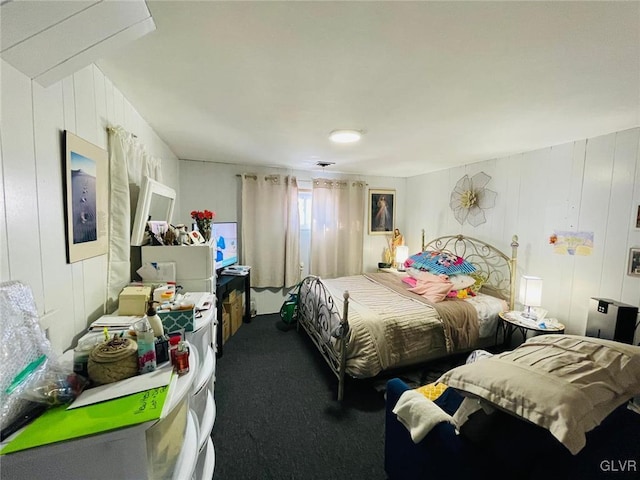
155,321
173,348
182,358
146,346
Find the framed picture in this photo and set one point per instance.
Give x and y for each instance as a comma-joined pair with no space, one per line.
634,262
382,211
86,198
637,218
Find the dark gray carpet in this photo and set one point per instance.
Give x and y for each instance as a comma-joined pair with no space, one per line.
278,417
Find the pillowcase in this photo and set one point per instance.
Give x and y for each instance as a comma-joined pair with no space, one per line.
440,262
567,384
461,281
432,287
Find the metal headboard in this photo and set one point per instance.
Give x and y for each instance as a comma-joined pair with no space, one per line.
494,265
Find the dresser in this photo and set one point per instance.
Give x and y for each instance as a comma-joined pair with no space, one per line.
176,444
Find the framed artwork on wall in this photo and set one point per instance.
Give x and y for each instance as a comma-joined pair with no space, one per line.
636,221
634,262
86,198
382,211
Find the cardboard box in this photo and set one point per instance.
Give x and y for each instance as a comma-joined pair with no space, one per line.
134,300
177,320
233,295
236,315
226,327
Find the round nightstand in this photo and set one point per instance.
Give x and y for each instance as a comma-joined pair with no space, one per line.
515,321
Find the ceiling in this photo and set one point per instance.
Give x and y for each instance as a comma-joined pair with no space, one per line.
431,84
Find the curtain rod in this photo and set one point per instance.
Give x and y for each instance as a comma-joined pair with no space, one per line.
112,129
271,177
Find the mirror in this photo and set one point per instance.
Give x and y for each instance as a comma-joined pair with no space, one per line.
155,202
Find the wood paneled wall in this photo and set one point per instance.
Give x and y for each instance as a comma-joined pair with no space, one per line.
32,240
588,185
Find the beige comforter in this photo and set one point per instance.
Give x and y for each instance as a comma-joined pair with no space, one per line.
390,327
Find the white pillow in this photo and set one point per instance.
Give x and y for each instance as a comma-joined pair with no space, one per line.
461,281
567,384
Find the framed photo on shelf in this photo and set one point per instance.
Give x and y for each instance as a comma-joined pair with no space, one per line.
86,198
382,211
634,262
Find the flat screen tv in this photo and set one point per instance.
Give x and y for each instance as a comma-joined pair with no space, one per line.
225,238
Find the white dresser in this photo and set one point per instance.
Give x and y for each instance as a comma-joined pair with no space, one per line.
176,446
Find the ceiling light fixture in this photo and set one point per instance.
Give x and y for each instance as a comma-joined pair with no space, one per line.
345,136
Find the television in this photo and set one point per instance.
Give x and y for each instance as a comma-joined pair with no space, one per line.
225,239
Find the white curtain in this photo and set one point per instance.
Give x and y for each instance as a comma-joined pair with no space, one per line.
128,163
271,230
337,227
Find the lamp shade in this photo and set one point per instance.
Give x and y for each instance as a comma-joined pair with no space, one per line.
530,291
402,253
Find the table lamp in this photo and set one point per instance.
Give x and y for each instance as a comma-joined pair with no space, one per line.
530,294
402,253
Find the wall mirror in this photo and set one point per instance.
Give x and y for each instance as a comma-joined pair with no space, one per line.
155,202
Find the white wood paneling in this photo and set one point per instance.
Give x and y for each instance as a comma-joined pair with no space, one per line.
56,273
33,238
586,185
4,247
20,192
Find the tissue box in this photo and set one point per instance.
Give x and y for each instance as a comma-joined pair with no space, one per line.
134,300
176,320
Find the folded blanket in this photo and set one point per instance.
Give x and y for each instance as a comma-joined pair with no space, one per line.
419,414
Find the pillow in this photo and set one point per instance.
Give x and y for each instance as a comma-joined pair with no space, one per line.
480,279
440,262
461,294
566,384
461,281
432,287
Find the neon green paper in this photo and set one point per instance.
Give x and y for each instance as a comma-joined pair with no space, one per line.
58,424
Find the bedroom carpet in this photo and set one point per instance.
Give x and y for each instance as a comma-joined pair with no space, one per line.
277,413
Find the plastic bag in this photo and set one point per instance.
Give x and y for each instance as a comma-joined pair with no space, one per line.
54,386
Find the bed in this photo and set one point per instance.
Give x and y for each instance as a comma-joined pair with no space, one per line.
367,324
557,406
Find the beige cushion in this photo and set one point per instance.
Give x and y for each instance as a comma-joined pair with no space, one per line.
565,383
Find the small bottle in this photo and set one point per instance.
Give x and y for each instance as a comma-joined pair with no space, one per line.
146,346
155,321
182,358
173,348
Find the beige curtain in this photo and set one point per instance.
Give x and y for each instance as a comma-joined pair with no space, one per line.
337,228
271,230
128,163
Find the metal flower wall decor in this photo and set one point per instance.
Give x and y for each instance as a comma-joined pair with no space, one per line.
470,199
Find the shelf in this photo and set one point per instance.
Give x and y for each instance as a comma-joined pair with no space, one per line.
206,425
205,373
207,463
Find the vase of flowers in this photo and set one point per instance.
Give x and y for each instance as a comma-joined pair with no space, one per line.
203,220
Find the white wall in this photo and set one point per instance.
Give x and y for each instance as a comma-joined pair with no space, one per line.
588,185
216,186
32,239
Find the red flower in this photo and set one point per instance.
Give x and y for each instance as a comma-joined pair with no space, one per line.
203,215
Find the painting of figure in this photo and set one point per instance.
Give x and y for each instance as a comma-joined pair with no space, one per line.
381,211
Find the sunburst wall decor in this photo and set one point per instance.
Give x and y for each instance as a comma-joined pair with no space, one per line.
470,199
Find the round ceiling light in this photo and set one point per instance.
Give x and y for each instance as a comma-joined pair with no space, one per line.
345,136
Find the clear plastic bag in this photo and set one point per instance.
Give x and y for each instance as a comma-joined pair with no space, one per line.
54,386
